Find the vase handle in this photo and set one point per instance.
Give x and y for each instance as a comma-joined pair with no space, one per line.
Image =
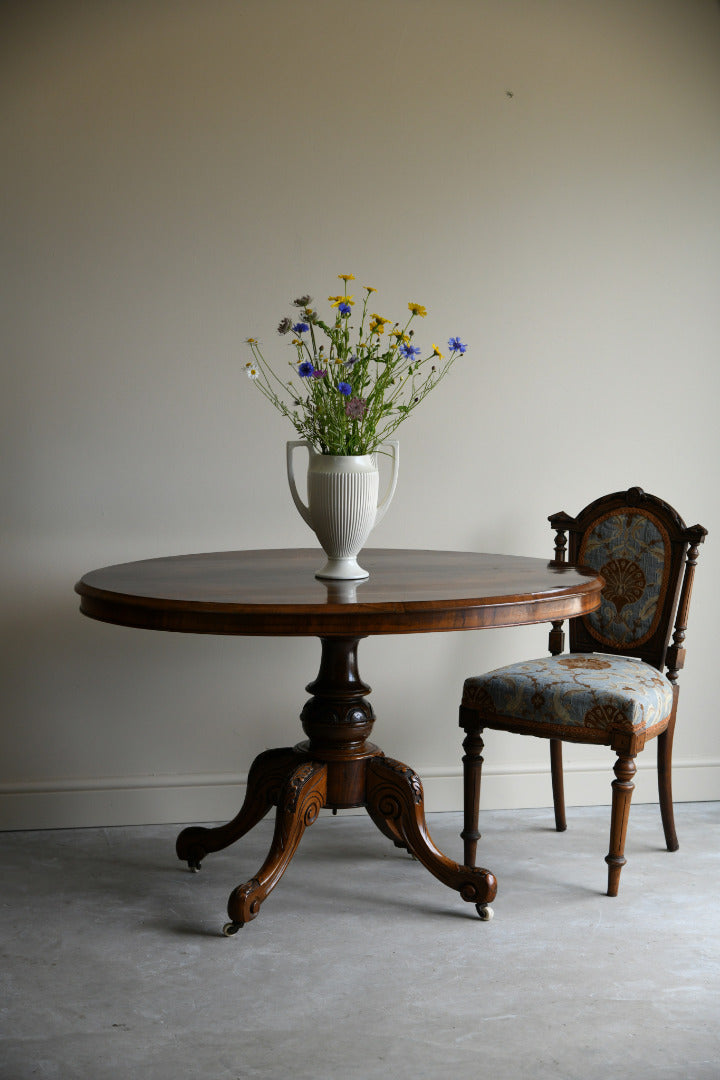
394,448
302,508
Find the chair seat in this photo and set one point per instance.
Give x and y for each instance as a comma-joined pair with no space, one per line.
584,690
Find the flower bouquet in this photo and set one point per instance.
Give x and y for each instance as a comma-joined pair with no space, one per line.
350,386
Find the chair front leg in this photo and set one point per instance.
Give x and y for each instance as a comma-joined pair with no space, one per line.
622,789
472,775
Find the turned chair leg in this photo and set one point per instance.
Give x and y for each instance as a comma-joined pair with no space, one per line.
622,789
664,767
558,788
472,774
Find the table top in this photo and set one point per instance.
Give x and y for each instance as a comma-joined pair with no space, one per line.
275,593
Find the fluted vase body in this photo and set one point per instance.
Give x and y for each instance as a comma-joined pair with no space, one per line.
342,507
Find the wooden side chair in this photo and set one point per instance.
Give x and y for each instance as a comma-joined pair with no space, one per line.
610,687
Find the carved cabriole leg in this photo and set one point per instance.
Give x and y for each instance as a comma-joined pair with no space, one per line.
472,777
558,786
395,794
664,767
302,798
622,789
265,780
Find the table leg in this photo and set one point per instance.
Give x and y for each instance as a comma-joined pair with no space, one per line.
265,780
395,795
301,801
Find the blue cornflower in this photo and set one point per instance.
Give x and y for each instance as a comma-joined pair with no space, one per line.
456,345
306,369
345,388
300,328
344,308
409,351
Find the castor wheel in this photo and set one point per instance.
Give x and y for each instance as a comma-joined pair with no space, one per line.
231,928
484,911
194,866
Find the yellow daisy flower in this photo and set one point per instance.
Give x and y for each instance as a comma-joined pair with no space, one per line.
418,309
346,277
436,352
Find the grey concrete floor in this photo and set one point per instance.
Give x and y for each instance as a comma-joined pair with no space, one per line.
360,964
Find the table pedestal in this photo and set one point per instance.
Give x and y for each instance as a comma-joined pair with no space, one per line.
335,767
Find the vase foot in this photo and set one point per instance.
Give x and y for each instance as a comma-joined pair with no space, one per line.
342,570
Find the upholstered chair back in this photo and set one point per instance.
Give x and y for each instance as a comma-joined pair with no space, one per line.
639,544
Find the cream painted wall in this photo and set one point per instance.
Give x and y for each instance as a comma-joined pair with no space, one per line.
173,174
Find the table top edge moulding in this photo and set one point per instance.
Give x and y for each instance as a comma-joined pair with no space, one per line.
275,593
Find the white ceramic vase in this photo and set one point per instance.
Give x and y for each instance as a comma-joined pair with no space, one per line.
343,504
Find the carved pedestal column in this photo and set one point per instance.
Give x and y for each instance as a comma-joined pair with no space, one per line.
338,720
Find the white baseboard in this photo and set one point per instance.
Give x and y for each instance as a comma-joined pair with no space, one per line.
145,800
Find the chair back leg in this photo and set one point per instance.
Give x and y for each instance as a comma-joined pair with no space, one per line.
558,787
664,768
622,789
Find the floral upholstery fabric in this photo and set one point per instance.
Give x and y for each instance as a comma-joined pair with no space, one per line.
590,690
632,552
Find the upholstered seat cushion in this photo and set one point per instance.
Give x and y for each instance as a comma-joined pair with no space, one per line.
591,690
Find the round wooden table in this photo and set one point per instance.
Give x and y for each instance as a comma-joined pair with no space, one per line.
275,593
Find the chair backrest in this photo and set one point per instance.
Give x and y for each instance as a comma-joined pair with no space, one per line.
647,556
